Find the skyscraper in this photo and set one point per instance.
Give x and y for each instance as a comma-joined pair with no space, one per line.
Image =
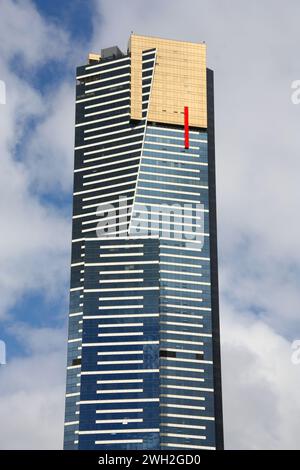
144,348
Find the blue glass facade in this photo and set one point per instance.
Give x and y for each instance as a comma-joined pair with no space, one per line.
173,177
143,349
120,345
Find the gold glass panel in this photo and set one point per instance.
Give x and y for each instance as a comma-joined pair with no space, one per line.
179,80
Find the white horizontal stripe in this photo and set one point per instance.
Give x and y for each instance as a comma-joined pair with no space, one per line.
180,377
130,297
180,359
179,341
76,314
167,207
129,271
119,353
120,307
182,315
116,132
105,103
101,79
184,265
184,407
181,387
103,180
180,332
185,397
102,196
177,297
168,167
117,116
120,289
183,273
95,113
100,66
138,315
192,325
187,446
120,381
174,247
117,263
175,213
108,335
135,371
118,431
109,225
114,193
102,209
136,223
108,363
87,191
110,126
183,256
124,247
104,95
183,426
173,199
182,162
125,400
128,343
116,255
165,143
188,307
188,351
182,436
111,281
92,90
181,289
120,441
168,183
168,129
114,139
168,152
172,415
109,148
179,138
120,390
124,410
161,190
121,421
178,171
185,369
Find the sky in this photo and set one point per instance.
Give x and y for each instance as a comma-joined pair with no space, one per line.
253,49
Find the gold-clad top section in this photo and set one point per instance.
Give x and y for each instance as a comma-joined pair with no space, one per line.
179,80
94,57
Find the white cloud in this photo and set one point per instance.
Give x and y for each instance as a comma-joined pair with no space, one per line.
261,385
32,391
35,237
27,36
49,153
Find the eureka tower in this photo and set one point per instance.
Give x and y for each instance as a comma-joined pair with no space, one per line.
144,368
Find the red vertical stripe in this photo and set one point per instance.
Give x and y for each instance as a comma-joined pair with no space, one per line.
186,127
